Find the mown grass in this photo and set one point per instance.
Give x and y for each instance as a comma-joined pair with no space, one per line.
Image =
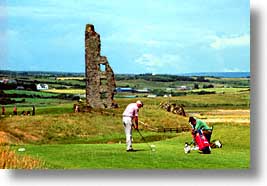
169,154
31,93
40,101
42,106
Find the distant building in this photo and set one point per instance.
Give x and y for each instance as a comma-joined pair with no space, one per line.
8,84
145,90
20,87
165,96
42,86
183,88
8,81
125,89
151,96
5,81
131,90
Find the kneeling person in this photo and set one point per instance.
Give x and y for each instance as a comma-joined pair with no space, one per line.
198,124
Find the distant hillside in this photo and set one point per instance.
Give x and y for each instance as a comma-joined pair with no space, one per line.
220,74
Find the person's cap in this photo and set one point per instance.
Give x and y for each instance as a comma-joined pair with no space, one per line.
139,103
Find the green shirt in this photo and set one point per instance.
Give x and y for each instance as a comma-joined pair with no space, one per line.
201,125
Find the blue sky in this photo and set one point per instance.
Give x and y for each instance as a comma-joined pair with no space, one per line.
137,36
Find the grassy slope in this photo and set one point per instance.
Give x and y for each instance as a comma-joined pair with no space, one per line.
63,127
73,128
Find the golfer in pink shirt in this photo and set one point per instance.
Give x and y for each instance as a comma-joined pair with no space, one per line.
130,114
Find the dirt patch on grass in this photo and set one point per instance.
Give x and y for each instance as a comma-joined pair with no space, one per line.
6,138
226,116
228,120
25,135
229,112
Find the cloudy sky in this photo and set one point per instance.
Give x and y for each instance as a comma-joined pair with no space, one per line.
137,36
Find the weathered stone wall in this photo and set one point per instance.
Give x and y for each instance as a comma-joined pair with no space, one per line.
100,81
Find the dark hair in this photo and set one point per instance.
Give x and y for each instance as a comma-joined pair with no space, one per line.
191,119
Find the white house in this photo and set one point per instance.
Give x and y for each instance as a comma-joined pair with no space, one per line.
42,86
145,90
151,96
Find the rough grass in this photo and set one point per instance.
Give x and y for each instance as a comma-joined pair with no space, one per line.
58,124
10,160
68,128
96,139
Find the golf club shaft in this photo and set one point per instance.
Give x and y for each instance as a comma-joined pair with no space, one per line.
144,139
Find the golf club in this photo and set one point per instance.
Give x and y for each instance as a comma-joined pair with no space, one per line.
144,140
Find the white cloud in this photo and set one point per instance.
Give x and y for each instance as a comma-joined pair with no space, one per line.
160,39
233,70
159,64
224,42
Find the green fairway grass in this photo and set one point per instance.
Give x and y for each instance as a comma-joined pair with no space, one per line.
169,154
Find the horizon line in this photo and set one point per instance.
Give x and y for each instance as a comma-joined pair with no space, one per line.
44,71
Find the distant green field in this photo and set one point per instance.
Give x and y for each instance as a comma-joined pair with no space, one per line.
32,93
41,101
217,82
65,91
221,90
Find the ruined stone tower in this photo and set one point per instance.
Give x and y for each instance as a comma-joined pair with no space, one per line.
100,81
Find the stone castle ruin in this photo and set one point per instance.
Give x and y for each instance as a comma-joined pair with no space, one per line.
173,108
100,80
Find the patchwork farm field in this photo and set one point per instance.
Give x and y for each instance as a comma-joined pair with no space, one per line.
57,138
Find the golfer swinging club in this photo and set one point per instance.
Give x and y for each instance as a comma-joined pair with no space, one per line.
130,114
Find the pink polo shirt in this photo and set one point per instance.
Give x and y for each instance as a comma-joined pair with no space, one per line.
131,110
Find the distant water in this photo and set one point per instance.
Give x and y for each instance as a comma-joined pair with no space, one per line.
219,74
213,74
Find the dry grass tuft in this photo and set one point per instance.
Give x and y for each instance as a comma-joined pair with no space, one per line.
9,160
